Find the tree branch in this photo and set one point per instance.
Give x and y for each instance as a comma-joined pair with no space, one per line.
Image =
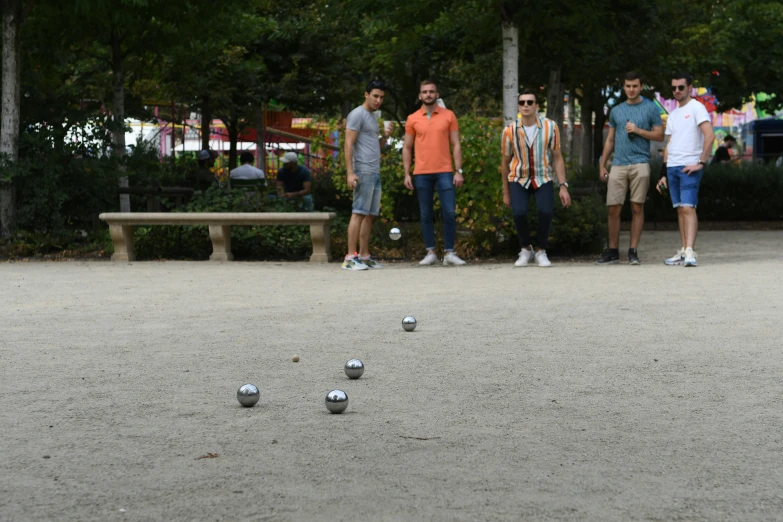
26,11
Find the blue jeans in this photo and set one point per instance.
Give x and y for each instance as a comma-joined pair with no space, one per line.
684,189
426,185
545,202
367,195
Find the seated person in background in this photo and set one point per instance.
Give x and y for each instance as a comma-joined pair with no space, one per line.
293,181
246,170
723,153
205,176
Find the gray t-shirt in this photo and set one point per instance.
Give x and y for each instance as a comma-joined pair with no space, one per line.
366,148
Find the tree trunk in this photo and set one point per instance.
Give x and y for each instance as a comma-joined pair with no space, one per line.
260,145
586,117
571,117
232,126
206,120
510,71
554,96
118,113
9,124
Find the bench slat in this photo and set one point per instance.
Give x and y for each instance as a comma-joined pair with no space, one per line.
217,218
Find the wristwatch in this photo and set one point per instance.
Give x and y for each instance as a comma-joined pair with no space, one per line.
564,184
702,163
459,171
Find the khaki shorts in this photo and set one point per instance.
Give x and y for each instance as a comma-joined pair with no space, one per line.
637,175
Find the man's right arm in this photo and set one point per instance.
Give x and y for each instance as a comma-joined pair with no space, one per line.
608,148
407,154
350,139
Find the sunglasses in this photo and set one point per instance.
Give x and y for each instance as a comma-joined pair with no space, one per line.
676,88
527,102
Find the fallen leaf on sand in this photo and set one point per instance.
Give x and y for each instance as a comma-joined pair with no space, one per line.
209,456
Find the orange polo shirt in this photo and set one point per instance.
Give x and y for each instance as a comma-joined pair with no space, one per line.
432,141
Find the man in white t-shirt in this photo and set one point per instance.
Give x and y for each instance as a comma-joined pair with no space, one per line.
246,170
687,152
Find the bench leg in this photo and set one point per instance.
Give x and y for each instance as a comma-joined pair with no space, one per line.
122,237
321,248
221,243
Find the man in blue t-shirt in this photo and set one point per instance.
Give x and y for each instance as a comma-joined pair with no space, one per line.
294,181
632,125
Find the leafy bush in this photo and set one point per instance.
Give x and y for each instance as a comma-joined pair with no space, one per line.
262,242
747,192
485,227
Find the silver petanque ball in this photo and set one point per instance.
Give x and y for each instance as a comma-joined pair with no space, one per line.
395,233
336,401
409,323
354,368
248,395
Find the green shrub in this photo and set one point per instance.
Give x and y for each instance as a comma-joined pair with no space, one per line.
746,192
485,224
290,242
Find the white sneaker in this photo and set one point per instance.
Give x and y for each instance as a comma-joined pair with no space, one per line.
542,260
452,259
676,259
371,263
525,257
354,264
690,257
430,259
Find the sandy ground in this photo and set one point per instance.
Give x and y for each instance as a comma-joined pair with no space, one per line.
574,393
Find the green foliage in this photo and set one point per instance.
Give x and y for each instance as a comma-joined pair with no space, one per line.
59,189
744,192
289,242
484,223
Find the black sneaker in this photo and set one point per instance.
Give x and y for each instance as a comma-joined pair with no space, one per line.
633,257
609,256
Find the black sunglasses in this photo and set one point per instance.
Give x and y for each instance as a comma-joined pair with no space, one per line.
676,88
527,102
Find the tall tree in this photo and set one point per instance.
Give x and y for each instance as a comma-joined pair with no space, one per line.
14,13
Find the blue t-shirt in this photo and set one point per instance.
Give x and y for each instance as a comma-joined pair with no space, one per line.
629,150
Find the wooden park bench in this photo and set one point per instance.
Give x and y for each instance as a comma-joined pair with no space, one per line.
121,226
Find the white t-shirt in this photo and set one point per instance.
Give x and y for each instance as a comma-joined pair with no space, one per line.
247,171
530,132
687,141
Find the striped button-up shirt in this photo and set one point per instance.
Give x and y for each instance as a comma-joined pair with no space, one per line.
531,158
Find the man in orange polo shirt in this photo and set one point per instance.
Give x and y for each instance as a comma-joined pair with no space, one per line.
429,131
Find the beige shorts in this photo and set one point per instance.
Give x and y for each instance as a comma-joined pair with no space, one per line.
637,175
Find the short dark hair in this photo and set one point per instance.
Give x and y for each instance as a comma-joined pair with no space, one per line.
246,157
375,84
529,92
729,137
633,75
428,81
682,75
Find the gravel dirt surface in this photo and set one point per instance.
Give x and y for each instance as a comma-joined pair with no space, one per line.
573,393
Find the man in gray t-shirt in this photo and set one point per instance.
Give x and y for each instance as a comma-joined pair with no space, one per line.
366,152
632,125
363,163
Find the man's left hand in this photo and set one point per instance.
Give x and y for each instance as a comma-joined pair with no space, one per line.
565,198
631,128
690,169
458,180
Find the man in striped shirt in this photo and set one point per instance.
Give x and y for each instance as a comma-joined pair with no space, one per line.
531,155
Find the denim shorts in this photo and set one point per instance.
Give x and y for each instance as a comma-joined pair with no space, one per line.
367,195
684,189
